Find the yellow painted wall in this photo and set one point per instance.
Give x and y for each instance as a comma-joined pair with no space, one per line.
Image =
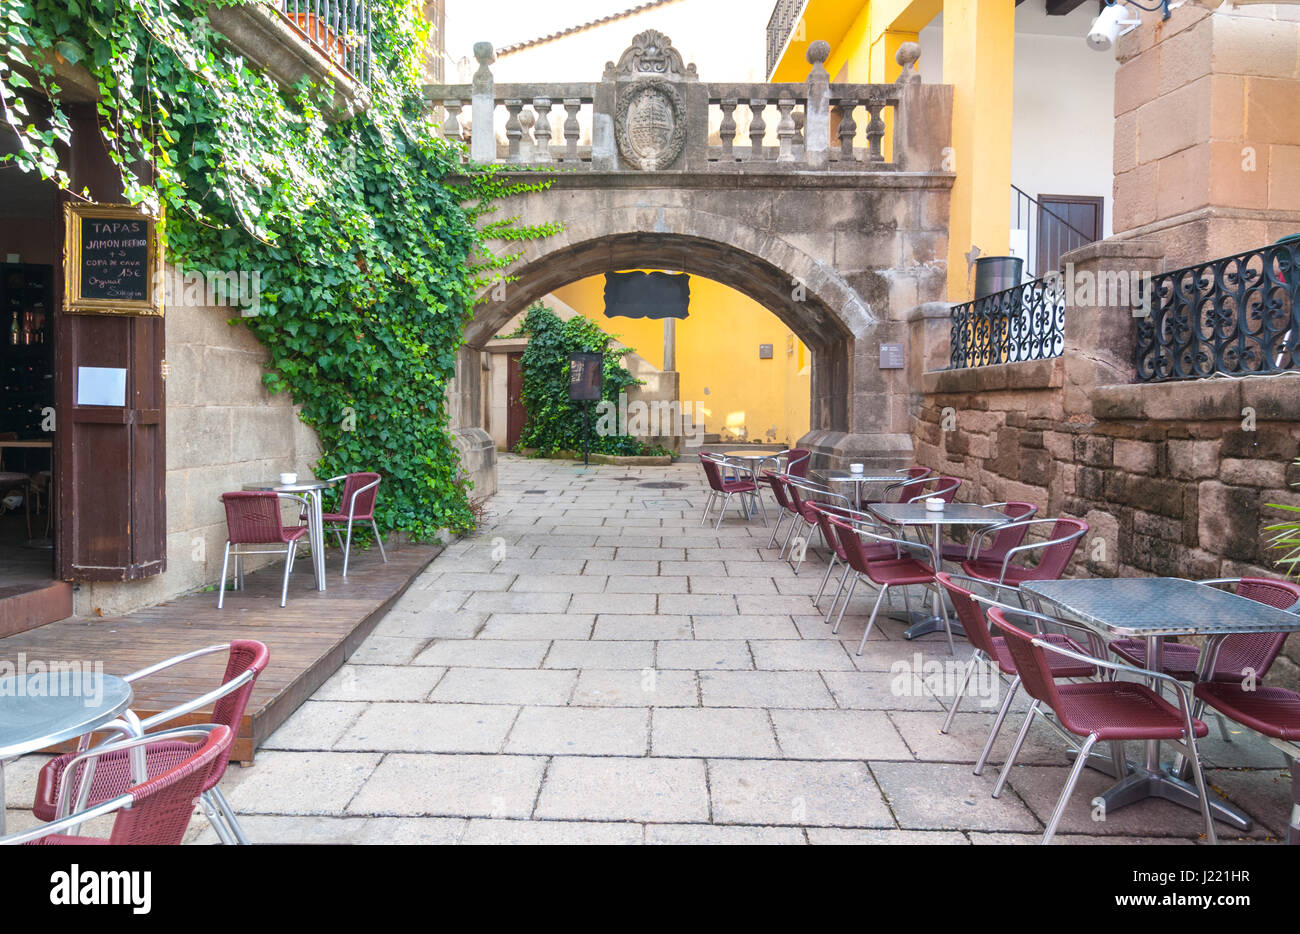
743,397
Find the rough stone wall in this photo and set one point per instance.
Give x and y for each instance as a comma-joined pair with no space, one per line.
1173,479
224,429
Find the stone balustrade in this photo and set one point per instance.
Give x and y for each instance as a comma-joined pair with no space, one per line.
651,112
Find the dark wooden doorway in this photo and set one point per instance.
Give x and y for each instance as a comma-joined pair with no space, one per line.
515,414
1065,223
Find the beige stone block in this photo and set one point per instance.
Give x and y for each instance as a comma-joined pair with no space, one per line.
1193,459
1261,473
1174,121
1135,456
1284,179
1228,107
1183,181
1272,110
1249,46
1137,82
1125,150
1135,198
1237,177
1184,57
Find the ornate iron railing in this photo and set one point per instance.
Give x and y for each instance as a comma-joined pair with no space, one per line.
339,29
784,16
1236,315
1026,322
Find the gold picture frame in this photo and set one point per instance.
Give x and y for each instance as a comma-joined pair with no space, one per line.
113,274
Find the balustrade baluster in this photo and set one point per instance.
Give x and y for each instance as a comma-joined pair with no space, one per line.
451,126
785,130
848,128
757,129
514,129
727,129
542,129
875,132
571,130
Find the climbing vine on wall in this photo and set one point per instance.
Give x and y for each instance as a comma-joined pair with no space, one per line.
370,238
555,424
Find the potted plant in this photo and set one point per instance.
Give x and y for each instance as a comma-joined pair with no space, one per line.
1286,535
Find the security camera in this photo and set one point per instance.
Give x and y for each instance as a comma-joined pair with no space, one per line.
1114,21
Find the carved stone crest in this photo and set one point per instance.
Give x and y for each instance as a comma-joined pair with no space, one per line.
650,124
651,53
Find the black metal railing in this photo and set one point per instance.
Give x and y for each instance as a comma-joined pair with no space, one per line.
1048,234
784,16
1236,315
339,29
1025,322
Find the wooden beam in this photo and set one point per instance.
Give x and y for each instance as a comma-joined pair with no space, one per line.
1063,7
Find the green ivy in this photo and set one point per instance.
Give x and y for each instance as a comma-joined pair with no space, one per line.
370,235
554,423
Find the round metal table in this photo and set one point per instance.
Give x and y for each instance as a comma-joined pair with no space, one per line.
45,709
315,523
837,477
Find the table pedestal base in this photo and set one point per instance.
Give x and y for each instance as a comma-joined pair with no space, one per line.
1141,784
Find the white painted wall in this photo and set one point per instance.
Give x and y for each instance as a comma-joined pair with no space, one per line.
1063,112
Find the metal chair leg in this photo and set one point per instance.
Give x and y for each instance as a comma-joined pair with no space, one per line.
347,549
707,503
830,566
379,541
997,725
1223,728
225,564
1080,761
232,822
848,598
776,527
961,690
216,819
1015,750
788,535
1199,775
722,513
871,622
289,552
838,590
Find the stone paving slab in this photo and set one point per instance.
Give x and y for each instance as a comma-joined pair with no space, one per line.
594,666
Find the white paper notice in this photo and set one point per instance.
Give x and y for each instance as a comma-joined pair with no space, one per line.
98,385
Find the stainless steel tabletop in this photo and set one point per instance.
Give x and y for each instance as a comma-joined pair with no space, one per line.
848,476
952,514
1161,606
275,486
39,710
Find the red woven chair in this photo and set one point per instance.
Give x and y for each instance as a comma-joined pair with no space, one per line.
910,475
246,660
991,649
1057,551
944,488
794,461
1273,712
805,495
153,812
898,570
1240,653
981,548
253,518
1099,711
824,512
726,487
356,504
785,510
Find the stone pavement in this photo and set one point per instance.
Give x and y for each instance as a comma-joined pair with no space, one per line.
593,666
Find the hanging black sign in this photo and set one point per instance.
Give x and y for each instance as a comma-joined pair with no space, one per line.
112,261
647,295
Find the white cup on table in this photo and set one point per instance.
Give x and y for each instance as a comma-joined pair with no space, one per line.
288,479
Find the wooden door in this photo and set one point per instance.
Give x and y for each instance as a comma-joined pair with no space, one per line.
515,414
1065,223
111,459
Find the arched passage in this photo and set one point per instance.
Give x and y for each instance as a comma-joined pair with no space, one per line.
808,298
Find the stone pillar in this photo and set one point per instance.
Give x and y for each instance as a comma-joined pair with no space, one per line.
817,122
1207,130
483,142
464,419
1101,285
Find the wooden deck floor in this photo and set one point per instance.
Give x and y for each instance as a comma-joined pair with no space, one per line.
308,639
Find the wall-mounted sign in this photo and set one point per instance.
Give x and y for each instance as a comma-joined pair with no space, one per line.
112,264
891,357
101,385
586,375
647,295
765,351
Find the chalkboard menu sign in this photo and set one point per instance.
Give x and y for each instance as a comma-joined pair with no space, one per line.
586,372
111,261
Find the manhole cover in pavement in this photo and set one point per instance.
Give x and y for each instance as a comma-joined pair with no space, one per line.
662,485
526,492
667,504
621,479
